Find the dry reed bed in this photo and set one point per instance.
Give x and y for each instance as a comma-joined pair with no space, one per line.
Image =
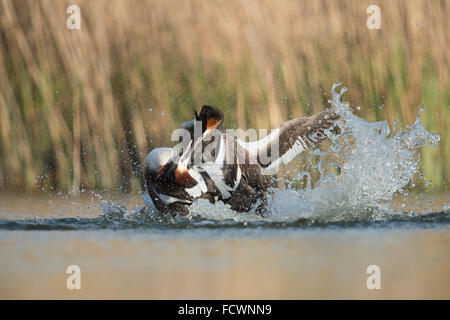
81,108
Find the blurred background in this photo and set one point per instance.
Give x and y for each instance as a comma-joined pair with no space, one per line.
80,109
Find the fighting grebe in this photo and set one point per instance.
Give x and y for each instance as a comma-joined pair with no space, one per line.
232,171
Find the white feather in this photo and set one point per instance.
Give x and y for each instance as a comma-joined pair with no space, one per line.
238,178
194,192
157,158
197,190
255,147
170,199
297,148
215,172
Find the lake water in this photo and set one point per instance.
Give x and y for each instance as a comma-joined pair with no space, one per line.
153,257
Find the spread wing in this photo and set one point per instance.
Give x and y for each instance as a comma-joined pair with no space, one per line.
290,139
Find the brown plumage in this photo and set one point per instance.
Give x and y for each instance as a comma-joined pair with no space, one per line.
242,183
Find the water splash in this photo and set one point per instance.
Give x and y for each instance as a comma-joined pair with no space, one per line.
374,163
371,163
114,211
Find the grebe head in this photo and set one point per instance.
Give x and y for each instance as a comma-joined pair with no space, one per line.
157,159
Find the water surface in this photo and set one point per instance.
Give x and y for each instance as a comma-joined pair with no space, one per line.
205,258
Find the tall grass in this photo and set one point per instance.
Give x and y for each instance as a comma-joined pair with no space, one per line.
82,108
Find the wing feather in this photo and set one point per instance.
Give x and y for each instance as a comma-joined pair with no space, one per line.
290,139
